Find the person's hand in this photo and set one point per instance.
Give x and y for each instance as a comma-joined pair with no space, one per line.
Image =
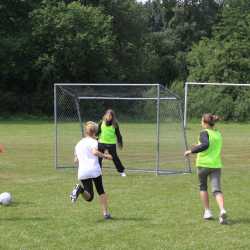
120,146
108,156
187,152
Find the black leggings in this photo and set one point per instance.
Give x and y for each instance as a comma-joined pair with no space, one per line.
112,150
87,185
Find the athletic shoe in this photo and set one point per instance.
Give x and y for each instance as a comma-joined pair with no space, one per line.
223,217
74,194
123,174
107,216
207,214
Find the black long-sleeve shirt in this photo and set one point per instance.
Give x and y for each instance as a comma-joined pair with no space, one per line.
204,143
117,132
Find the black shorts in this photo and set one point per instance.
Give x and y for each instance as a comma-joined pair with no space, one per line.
88,185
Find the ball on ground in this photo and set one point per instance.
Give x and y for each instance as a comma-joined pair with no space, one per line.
5,198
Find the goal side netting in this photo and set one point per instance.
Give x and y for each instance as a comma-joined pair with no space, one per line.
230,101
150,119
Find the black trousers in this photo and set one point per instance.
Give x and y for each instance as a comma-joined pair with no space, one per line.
112,150
87,185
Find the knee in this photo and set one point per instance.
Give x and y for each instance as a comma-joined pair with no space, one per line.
90,198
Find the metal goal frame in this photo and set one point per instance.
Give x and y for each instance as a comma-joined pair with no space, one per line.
205,83
158,98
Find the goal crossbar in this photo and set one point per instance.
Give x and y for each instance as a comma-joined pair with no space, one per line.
106,84
124,98
218,84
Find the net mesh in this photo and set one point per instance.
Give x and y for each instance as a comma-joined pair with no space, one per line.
229,102
148,145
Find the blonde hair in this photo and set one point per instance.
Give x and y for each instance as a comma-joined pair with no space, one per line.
90,128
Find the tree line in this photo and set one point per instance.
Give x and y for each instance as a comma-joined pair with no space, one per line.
164,41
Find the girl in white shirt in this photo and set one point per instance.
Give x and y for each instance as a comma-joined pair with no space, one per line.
89,170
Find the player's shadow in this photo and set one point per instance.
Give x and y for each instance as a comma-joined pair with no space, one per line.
24,219
138,219
21,204
236,221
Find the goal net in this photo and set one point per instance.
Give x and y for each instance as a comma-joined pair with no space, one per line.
150,119
228,100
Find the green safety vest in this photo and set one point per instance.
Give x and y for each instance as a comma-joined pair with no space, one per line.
107,135
211,157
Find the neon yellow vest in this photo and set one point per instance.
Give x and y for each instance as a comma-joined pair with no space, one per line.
107,135
211,157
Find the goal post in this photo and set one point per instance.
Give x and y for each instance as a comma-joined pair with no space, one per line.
207,86
150,119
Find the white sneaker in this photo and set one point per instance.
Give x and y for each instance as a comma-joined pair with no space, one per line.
74,194
207,214
223,217
123,174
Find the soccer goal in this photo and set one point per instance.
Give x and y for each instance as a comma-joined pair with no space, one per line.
229,100
150,119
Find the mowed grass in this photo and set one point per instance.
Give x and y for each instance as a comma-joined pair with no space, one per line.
149,212
140,147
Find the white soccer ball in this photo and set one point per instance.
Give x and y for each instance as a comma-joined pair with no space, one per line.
5,198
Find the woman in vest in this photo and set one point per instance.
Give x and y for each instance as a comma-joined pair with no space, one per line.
108,136
209,163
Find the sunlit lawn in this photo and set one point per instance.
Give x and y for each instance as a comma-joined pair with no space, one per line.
149,212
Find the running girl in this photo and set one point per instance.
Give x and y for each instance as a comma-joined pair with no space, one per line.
209,163
89,171
108,136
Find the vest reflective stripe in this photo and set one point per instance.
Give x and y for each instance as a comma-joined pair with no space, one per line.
107,135
211,157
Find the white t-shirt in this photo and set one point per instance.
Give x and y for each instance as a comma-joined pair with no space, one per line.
89,166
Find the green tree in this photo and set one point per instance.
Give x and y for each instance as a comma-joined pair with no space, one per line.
182,24
225,57
16,78
74,42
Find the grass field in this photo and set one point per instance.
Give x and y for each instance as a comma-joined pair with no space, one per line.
149,212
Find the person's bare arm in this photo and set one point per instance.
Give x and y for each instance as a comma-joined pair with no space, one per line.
101,155
75,159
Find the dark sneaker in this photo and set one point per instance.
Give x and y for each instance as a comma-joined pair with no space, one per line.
74,194
107,216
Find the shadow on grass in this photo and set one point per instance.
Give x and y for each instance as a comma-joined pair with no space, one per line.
20,204
231,222
124,219
236,221
23,219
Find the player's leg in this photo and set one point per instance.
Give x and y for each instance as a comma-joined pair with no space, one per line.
203,175
215,178
102,196
101,148
88,192
120,168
